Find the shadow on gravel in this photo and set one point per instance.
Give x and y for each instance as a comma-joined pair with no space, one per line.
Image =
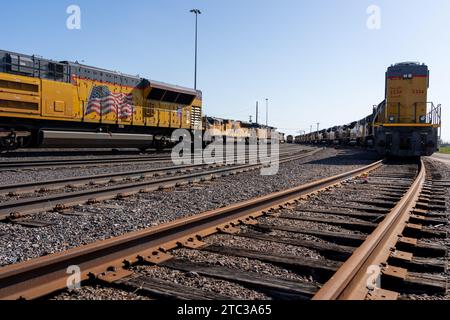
349,158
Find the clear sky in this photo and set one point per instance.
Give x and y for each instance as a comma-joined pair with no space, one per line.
315,60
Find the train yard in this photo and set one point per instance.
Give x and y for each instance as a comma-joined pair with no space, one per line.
223,210
225,160
332,224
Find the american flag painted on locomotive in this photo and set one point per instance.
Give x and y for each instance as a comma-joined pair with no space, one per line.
102,102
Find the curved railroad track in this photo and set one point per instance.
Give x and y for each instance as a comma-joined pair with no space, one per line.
389,237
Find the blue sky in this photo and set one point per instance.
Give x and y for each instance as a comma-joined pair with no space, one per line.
315,60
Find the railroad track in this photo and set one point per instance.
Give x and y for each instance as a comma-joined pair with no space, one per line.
15,165
40,152
73,182
97,162
365,233
133,182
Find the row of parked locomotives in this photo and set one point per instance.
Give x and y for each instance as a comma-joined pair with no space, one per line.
45,103
358,133
234,130
405,124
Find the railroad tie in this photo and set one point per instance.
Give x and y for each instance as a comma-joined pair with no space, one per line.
421,248
275,287
352,225
329,250
419,231
33,223
356,214
358,208
417,264
322,269
168,289
353,240
401,280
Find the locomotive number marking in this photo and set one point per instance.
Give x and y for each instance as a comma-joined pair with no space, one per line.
396,91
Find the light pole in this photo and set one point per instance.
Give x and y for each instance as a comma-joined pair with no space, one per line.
196,12
267,112
318,125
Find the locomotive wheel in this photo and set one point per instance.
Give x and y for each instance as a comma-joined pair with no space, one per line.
9,144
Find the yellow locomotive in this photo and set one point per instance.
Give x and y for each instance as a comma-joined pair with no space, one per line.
235,130
405,124
57,104
44,103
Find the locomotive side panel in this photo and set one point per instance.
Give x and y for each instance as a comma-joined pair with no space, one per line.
19,96
58,100
38,95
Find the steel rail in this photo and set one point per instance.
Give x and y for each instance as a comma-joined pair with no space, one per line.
4,166
23,188
42,276
351,280
22,207
13,165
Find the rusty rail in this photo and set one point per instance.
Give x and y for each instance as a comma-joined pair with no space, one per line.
14,165
110,258
22,207
23,188
351,280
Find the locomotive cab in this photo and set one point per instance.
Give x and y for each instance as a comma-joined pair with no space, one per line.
405,123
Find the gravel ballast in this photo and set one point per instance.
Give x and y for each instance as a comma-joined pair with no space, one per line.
116,217
91,293
443,171
18,176
211,285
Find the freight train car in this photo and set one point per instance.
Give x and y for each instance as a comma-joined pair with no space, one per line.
58,104
405,124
